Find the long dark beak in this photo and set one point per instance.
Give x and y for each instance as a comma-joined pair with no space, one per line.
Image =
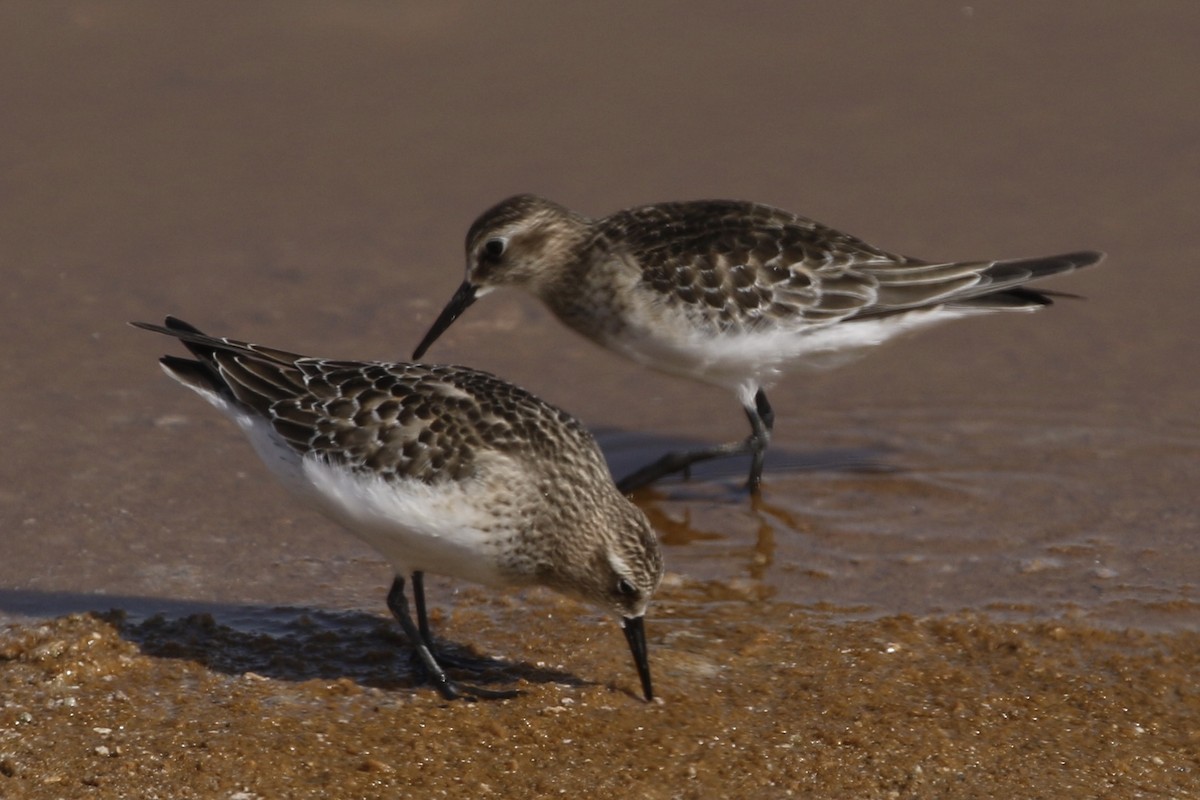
459,303
635,634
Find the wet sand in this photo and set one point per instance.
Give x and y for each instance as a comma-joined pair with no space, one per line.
973,567
898,707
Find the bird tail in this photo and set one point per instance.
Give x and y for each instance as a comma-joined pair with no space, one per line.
226,369
1002,283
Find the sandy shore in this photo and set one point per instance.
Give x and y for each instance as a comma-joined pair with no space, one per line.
896,707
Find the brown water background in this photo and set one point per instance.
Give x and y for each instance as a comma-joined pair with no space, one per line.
301,174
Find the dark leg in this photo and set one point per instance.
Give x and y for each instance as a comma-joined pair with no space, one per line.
446,660
762,419
398,604
418,582
764,410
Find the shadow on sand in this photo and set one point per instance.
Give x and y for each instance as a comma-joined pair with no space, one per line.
288,644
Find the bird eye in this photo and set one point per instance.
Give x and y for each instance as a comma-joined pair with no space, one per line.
626,589
494,248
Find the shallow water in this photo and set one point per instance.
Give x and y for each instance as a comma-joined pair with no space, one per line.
1009,501
1018,513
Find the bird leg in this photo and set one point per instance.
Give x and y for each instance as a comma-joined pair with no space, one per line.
762,420
418,635
418,582
443,658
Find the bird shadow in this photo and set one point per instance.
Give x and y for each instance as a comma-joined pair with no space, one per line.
627,451
280,643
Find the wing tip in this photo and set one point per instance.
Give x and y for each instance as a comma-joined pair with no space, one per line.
1044,266
1084,258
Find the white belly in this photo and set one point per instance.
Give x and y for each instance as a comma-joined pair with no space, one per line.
443,529
759,357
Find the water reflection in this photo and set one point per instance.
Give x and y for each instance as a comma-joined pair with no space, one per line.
939,513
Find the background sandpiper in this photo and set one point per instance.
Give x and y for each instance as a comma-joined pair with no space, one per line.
729,293
441,469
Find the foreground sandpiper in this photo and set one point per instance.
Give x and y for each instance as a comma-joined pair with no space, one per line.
729,293
441,469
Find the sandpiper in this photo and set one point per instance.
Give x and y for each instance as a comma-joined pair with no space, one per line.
726,292
441,469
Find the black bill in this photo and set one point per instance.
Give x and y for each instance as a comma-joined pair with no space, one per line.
459,303
635,633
